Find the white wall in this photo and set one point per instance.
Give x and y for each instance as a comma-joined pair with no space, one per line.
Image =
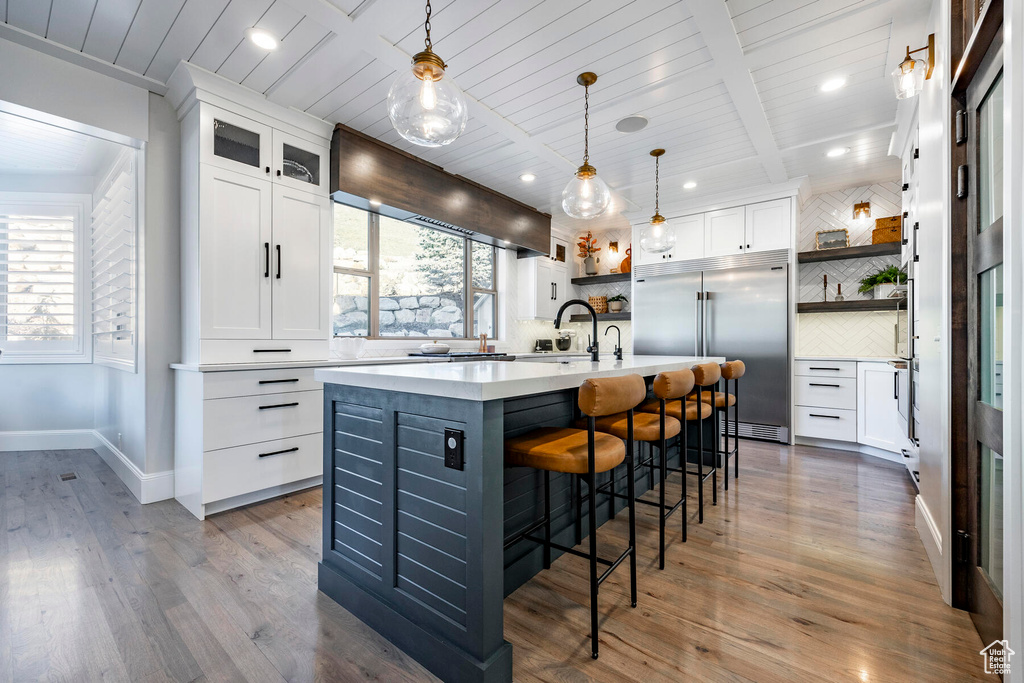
45,397
932,288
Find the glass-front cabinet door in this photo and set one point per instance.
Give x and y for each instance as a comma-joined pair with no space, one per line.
300,163
235,142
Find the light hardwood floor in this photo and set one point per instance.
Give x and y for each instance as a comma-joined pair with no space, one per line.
809,569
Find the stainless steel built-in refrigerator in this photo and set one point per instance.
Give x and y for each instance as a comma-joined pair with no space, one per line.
737,307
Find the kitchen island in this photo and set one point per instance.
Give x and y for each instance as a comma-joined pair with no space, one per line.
418,503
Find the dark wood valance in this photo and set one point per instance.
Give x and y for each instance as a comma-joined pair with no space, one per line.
364,169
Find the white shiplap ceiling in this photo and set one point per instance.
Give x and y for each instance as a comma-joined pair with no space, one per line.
731,87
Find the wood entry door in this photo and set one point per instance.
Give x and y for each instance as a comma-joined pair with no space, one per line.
982,565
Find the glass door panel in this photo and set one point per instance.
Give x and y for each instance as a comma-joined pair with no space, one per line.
236,143
298,164
990,337
990,536
990,157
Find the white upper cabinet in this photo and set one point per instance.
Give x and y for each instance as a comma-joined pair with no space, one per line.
301,281
768,226
234,142
723,232
689,237
545,283
299,163
235,244
559,251
644,257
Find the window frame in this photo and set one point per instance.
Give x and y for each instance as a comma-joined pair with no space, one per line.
80,206
372,273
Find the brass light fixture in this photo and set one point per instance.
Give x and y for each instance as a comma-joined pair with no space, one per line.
426,107
909,77
861,210
586,196
656,237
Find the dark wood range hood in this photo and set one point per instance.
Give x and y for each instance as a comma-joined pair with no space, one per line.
364,169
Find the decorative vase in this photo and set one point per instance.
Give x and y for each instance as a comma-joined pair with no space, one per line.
627,263
589,266
615,306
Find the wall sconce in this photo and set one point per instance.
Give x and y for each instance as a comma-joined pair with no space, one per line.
909,77
861,210
613,247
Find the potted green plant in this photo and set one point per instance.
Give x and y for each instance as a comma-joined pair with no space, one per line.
885,283
616,302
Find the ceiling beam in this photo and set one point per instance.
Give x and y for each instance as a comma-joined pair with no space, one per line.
365,33
715,25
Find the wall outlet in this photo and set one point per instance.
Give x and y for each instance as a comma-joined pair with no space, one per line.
453,451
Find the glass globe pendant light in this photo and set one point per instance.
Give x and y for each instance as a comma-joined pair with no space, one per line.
586,196
426,107
656,237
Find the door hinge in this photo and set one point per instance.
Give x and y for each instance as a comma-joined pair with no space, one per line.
961,181
963,544
961,127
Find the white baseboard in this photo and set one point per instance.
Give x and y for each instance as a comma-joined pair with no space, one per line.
50,440
931,538
148,488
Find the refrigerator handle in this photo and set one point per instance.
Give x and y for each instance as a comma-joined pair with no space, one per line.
696,325
704,331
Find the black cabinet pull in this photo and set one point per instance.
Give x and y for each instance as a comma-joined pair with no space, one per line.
271,350
268,170
266,259
835,386
278,381
279,173
278,247
748,246
286,450
556,290
832,369
280,405
895,386
830,417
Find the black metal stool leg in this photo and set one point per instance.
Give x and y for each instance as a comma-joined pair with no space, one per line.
700,459
579,509
714,457
547,519
631,504
592,509
736,418
682,440
661,492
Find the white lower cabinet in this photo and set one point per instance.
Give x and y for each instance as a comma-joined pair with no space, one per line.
246,435
878,407
848,401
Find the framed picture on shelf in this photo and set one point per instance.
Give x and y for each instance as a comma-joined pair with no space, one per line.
831,239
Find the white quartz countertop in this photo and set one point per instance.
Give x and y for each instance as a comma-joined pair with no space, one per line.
490,380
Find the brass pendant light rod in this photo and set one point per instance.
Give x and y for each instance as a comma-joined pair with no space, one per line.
657,217
586,79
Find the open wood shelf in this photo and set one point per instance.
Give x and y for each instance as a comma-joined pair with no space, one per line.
602,279
866,250
848,306
601,317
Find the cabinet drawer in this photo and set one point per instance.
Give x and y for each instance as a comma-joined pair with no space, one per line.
826,368
215,351
826,423
826,392
234,471
250,419
258,382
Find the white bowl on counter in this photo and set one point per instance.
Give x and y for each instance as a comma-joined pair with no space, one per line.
435,347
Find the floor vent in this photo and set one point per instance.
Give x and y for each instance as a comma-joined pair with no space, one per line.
750,430
68,476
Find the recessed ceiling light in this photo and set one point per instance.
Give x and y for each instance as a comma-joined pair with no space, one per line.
632,124
374,202
527,177
261,38
833,84
689,186
837,152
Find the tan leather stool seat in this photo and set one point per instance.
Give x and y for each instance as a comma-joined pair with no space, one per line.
646,427
561,449
719,399
675,409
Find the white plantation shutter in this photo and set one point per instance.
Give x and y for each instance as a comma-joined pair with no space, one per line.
40,278
114,319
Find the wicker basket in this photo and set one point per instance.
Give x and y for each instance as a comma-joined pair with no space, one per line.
600,303
886,230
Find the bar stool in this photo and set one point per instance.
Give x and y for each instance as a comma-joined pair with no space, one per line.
705,375
668,386
721,401
651,429
585,452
